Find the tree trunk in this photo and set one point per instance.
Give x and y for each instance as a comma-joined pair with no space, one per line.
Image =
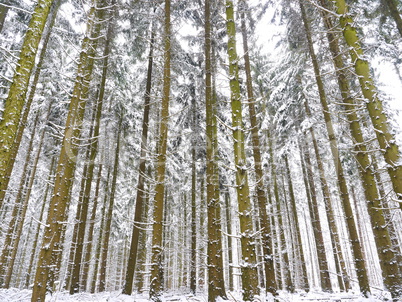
138,212
101,235
49,184
249,259
109,214
298,241
216,285
88,250
343,277
270,284
92,151
5,178
156,285
282,249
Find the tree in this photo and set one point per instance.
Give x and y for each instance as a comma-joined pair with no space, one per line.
15,101
270,284
156,285
138,212
249,259
216,285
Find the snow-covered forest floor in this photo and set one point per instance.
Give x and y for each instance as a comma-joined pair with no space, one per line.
16,295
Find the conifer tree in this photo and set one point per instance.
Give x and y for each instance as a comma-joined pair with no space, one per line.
270,284
374,104
156,285
216,284
15,101
249,259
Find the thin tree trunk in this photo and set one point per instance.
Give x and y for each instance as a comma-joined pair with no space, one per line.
138,212
87,256
101,235
49,185
230,243
316,223
109,214
298,241
193,256
282,249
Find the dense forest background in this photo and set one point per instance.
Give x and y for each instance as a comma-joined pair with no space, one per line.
201,147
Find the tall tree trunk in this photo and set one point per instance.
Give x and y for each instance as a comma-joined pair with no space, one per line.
249,259
5,172
216,285
109,214
51,245
193,255
270,284
282,249
374,105
138,212
344,193
156,285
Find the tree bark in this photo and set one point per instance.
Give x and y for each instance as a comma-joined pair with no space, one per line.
270,283
138,212
156,285
249,273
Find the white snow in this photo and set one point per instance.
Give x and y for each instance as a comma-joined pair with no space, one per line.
16,295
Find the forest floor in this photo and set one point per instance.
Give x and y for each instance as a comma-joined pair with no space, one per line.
16,295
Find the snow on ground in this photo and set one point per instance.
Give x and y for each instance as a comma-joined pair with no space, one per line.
16,295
